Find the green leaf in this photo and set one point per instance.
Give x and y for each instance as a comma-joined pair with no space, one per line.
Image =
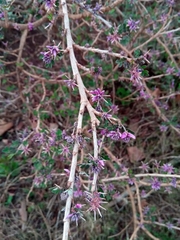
9,200
50,17
137,53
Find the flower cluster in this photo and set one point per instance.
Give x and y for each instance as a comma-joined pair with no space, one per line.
97,164
70,83
77,184
51,54
168,168
136,76
117,135
97,95
76,214
97,8
133,25
114,37
95,201
155,184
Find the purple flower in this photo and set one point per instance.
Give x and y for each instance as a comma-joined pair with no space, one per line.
124,169
165,106
75,217
114,37
69,139
97,71
136,76
115,195
131,181
173,182
97,8
156,164
114,109
168,190
38,180
170,3
1,15
169,225
97,95
39,137
54,50
144,167
46,149
111,187
172,84
51,54
114,135
65,150
96,164
143,193
104,132
155,184
167,168
49,177
78,193
146,210
52,138
133,25
78,205
67,172
170,70
49,5
94,200
25,150
106,116
5,43
126,136
15,25
143,94
170,36
163,17
47,58
70,83
81,141
30,26
178,73
163,128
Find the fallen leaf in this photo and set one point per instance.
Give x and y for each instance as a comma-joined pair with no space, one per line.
4,126
135,154
156,93
134,124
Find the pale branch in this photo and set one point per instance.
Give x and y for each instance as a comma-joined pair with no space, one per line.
84,103
107,52
95,146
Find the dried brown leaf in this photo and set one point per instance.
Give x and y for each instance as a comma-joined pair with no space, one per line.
135,154
4,126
